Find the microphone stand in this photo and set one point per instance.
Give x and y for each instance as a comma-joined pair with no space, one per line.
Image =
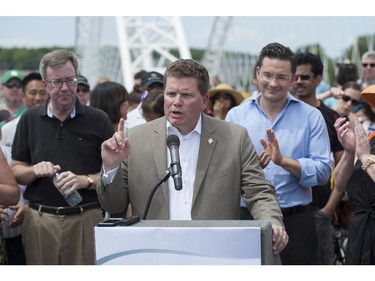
162,179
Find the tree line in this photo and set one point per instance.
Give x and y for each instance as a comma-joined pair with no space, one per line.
23,58
29,58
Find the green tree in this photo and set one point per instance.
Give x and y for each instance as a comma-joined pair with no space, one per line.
22,58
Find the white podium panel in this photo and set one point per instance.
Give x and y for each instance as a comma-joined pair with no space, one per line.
186,245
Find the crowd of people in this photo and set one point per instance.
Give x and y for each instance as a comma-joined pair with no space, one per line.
285,153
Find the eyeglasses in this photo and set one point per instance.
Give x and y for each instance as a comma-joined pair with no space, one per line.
347,98
83,90
368,64
279,78
303,77
13,85
57,83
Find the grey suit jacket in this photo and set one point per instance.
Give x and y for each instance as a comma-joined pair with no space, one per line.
227,169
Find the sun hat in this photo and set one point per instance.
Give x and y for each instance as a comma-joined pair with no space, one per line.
225,88
368,94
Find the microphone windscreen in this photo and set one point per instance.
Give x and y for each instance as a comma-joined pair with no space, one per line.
173,140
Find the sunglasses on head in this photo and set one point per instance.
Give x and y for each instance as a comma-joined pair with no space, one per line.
368,64
13,85
347,98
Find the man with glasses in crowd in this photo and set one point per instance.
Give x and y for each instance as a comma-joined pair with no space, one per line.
294,136
13,94
65,136
309,74
35,94
368,69
83,90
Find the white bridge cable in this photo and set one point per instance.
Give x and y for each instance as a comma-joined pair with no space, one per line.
231,46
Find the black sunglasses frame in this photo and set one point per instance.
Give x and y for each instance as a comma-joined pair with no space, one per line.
346,98
368,64
13,85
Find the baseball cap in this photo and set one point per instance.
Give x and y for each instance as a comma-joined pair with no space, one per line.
150,78
83,80
12,74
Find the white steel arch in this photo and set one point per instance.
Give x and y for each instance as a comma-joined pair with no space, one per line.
149,43
213,55
88,38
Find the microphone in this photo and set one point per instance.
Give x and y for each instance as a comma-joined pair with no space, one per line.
173,143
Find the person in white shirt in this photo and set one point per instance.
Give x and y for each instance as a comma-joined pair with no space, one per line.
35,94
150,80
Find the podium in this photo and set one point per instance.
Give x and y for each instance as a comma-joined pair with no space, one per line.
195,242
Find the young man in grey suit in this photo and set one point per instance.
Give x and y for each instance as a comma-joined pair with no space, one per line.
218,162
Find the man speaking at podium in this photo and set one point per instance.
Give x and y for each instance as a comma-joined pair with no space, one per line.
216,160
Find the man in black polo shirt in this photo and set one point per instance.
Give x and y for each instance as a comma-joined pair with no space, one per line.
308,75
64,136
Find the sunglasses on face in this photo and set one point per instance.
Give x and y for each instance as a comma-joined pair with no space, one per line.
13,85
347,98
83,90
368,64
223,95
303,77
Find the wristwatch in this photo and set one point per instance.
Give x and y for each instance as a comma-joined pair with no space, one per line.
90,180
370,160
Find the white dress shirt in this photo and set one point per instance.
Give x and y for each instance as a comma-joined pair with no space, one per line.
180,201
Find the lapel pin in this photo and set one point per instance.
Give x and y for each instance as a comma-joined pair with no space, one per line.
210,140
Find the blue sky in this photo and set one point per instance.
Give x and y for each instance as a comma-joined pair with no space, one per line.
293,23
247,34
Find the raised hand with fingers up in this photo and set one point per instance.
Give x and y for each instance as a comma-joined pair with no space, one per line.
115,149
272,147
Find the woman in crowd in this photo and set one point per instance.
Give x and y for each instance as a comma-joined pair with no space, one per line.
350,98
355,173
9,195
153,105
112,98
222,98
